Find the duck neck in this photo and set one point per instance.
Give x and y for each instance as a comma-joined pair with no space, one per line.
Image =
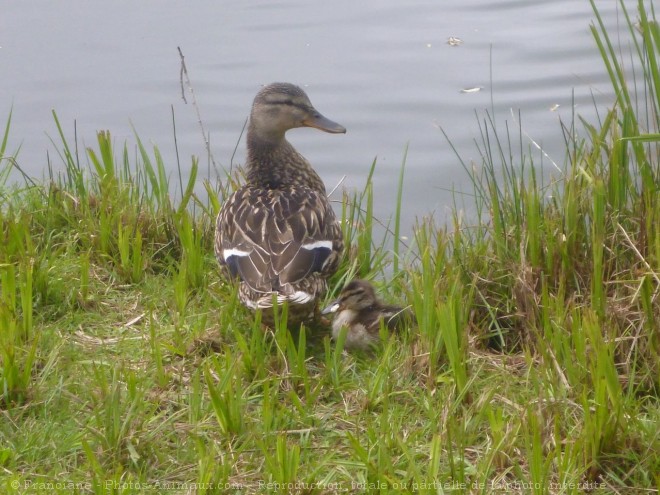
273,163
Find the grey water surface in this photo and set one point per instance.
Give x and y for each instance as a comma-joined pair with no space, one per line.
383,69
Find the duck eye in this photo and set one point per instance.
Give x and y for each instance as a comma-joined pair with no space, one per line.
288,102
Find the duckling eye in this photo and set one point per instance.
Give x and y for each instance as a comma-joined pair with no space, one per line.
346,298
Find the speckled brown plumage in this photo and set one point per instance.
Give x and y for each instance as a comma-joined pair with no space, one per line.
278,233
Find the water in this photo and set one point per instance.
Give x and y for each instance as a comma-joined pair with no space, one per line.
384,70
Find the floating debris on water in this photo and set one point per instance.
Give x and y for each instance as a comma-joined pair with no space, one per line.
554,107
472,90
454,41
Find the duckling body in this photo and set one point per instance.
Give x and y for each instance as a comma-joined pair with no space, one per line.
359,310
278,234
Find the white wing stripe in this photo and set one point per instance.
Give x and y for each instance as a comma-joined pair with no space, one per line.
318,244
227,253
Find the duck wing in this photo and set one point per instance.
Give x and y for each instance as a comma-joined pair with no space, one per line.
273,239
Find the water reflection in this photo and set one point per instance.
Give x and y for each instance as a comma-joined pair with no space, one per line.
385,71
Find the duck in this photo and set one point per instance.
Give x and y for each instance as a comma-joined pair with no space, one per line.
277,235
359,310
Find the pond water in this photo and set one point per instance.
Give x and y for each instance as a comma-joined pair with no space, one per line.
382,69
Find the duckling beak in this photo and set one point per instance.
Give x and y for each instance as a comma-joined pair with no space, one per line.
331,308
318,121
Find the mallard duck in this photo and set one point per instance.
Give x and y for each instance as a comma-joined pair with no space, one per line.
278,234
359,310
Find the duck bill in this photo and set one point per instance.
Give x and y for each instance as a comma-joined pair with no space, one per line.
318,121
331,308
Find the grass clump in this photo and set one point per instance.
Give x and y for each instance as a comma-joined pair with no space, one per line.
127,364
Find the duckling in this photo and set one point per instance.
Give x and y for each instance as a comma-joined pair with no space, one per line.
359,310
278,235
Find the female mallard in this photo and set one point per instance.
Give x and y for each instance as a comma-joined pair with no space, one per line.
360,312
278,234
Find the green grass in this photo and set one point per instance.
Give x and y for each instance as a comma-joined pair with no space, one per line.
127,363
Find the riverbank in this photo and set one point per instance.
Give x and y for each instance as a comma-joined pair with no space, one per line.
127,363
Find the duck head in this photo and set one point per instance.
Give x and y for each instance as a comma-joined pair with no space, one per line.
279,107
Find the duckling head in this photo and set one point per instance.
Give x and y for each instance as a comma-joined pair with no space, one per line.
357,295
279,107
